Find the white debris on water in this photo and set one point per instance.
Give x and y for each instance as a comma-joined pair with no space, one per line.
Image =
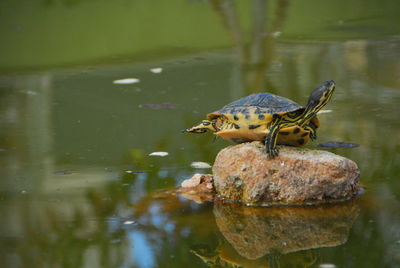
325,111
327,265
156,70
276,34
129,222
200,165
126,81
30,92
273,34
158,154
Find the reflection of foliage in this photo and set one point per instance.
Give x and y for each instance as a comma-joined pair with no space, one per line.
182,226
59,243
166,221
100,227
256,55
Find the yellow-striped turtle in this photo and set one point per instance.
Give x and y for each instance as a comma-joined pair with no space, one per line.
268,117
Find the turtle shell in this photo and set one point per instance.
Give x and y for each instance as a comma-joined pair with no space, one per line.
258,104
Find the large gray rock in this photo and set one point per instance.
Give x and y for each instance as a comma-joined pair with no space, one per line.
297,176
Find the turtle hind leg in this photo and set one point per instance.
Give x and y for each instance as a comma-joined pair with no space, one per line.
271,139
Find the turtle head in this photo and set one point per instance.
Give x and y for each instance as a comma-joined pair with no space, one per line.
319,97
201,128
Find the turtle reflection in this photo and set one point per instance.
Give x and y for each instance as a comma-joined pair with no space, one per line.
278,236
226,256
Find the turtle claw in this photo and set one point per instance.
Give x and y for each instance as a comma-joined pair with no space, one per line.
270,146
272,152
313,136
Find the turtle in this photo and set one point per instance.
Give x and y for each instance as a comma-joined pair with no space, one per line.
269,118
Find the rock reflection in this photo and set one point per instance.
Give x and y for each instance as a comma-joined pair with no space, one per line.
268,236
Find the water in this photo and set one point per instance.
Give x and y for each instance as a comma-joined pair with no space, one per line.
78,187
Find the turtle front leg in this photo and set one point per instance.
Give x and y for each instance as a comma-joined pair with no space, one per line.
312,129
313,132
272,137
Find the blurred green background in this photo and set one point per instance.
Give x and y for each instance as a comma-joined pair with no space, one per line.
52,33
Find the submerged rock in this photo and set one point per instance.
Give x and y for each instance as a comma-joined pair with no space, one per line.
198,188
199,181
297,176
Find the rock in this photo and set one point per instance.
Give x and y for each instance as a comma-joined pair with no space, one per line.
199,181
199,184
244,173
192,182
199,188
